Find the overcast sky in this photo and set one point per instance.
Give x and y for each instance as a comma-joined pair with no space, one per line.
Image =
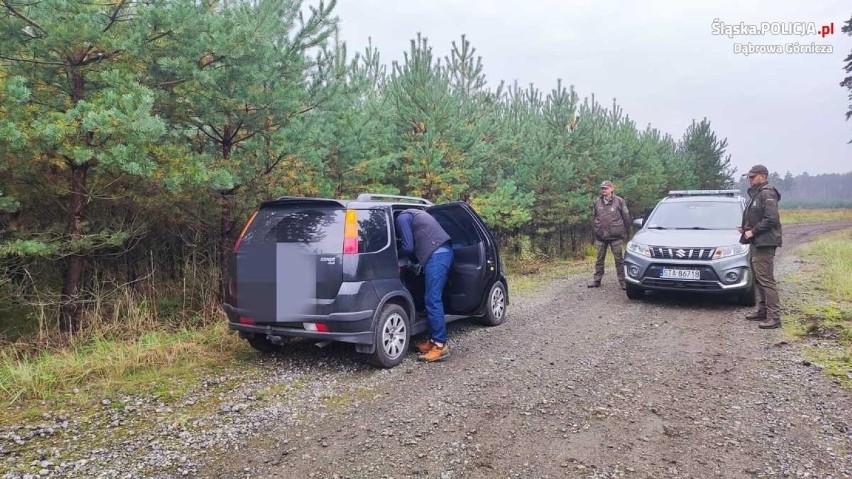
659,59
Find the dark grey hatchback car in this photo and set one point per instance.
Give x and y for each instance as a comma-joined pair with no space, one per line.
329,270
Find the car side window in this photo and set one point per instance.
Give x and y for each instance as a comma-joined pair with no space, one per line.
373,232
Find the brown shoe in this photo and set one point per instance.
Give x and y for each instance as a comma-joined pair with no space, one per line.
594,284
423,347
769,324
436,353
756,316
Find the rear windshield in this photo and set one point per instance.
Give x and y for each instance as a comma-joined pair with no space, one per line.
319,229
712,215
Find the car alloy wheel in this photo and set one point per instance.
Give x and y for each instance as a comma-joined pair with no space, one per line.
394,336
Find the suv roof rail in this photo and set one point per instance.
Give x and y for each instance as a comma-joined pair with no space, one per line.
383,197
731,193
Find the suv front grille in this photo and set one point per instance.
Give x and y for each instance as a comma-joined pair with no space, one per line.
664,252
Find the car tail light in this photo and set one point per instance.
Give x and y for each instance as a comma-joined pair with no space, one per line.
319,327
350,233
246,320
243,232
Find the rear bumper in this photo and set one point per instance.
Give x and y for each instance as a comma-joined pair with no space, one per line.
364,337
350,327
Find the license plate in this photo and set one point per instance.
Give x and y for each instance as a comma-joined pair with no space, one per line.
690,274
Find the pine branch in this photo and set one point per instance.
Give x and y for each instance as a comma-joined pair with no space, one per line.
114,17
217,138
26,20
99,56
158,36
34,62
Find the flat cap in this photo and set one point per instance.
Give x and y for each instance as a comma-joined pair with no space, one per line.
758,170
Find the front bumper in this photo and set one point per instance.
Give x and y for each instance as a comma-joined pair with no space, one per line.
646,273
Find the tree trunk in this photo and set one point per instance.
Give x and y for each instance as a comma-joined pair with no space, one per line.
226,222
573,240
69,312
226,242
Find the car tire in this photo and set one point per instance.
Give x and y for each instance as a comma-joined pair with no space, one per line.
634,292
495,305
392,336
264,345
747,297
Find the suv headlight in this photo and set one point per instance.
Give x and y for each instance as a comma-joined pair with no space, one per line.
728,251
639,248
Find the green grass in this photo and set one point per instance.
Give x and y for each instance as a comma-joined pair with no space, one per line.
158,363
821,302
815,215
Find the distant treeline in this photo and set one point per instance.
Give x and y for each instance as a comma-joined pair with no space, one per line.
831,190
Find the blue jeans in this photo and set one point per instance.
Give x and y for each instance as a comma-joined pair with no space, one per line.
436,271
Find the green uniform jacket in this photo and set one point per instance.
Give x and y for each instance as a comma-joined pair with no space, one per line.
761,215
611,219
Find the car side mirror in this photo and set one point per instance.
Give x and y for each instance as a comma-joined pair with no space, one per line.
638,222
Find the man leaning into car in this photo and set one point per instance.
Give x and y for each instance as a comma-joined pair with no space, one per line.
761,229
611,220
425,239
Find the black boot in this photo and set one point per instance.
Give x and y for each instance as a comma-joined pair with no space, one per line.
769,324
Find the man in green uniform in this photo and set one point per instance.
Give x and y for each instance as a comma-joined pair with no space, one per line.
761,229
611,221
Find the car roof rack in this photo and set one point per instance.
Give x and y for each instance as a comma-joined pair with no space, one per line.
731,193
396,198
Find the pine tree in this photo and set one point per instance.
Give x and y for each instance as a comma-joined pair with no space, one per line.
83,114
422,112
847,82
239,74
349,135
706,156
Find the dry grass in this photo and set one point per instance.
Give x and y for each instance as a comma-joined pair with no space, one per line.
815,215
821,306
529,274
101,366
140,338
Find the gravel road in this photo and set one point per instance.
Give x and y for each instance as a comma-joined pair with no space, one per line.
577,383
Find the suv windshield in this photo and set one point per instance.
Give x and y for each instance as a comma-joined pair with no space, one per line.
710,215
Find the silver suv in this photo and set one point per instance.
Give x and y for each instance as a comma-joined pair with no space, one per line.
690,243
